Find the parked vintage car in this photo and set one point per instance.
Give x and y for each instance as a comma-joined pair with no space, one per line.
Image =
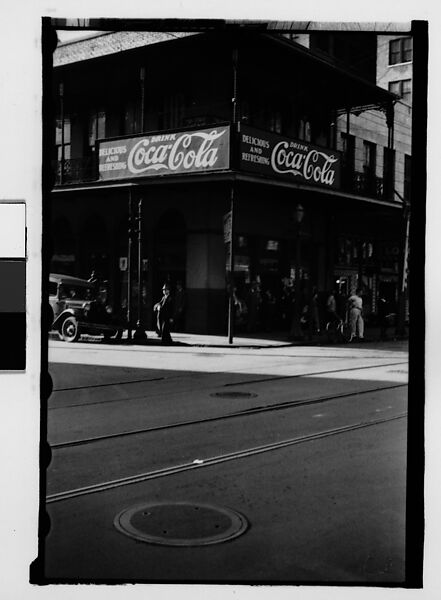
77,309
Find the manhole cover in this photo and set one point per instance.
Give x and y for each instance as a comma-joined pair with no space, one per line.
233,395
181,523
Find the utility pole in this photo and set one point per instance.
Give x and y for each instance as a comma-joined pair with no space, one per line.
228,232
130,232
234,119
140,334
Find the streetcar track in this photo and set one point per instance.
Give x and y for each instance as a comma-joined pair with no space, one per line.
176,469
240,413
249,381
107,384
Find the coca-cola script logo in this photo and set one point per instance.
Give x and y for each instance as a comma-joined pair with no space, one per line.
189,151
313,165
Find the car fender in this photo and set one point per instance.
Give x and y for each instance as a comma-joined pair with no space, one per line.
69,312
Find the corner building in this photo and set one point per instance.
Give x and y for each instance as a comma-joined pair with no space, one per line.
160,135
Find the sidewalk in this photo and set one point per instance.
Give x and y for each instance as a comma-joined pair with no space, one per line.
258,340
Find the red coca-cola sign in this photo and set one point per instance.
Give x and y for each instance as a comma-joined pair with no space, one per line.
169,153
270,154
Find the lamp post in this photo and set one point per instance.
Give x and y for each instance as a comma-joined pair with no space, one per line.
298,218
139,334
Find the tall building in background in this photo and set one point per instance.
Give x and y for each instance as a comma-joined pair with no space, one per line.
377,150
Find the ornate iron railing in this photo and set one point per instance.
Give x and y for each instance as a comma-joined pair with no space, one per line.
75,170
365,184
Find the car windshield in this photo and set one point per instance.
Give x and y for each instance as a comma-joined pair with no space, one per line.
76,292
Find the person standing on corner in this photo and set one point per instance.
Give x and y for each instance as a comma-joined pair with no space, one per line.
355,306
164,310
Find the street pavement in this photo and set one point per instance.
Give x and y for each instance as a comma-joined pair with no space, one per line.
308,443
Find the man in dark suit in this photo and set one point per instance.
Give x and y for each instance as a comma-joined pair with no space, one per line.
164,310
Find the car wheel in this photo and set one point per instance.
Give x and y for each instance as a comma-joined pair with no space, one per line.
70,331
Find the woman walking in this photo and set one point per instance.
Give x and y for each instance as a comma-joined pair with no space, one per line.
356,323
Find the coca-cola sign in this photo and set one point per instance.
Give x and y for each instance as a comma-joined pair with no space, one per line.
271,154
173,153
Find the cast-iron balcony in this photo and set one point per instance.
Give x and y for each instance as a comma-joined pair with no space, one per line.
364,184
76,170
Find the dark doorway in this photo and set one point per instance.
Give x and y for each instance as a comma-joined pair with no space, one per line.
170,252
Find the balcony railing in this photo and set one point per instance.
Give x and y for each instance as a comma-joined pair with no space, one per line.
364,184
80,170
75,170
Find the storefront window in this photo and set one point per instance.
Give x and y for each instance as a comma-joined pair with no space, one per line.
272,245
351,250
241,241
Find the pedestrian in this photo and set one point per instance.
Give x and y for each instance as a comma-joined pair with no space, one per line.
180,305
164,311
332,315
240,309
93,279
254,305
314,312
356,323
386,316
268,309
286,303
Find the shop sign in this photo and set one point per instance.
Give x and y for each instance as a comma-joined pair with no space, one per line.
203,150
271,154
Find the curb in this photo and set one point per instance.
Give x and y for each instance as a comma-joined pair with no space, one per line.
150,341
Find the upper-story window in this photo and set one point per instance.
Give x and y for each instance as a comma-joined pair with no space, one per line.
96,128
172,113
369,158
402,88
62,142
275,121
132,117
400,51
305,130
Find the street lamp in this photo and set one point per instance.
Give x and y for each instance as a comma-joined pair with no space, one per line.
298,218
